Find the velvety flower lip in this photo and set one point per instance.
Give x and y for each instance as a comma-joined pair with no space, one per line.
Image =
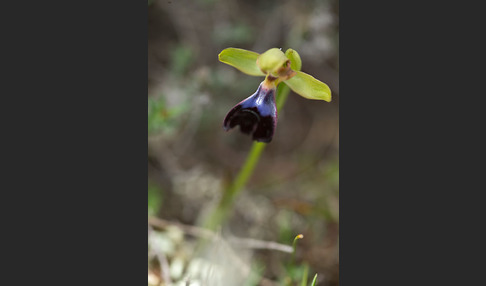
256,115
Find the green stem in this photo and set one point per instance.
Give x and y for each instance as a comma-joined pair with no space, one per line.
304,276
221,212
282,94
294,245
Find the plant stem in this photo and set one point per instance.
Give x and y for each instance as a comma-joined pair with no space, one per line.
294,245
282,94
218,216
304,276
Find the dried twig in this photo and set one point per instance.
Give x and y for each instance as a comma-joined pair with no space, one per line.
188,229
208,234
260,244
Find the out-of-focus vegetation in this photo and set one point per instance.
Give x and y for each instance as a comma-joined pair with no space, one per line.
295,189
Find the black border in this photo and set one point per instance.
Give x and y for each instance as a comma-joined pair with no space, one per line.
74,193
408,134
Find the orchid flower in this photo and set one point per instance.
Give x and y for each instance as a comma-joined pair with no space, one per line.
257,114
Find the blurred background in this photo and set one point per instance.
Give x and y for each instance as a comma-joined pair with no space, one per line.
295,187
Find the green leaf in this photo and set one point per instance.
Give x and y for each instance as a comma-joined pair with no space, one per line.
271,61
314,280
307,86
295,61
304,276
243,60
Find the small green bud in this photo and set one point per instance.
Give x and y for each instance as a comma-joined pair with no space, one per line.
295,61
271,61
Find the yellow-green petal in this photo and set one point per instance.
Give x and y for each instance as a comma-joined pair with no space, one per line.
307,86
272,61
243,60
295,61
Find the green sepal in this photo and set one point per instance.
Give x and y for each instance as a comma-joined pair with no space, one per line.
295,61
272,61
307,86
243,60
